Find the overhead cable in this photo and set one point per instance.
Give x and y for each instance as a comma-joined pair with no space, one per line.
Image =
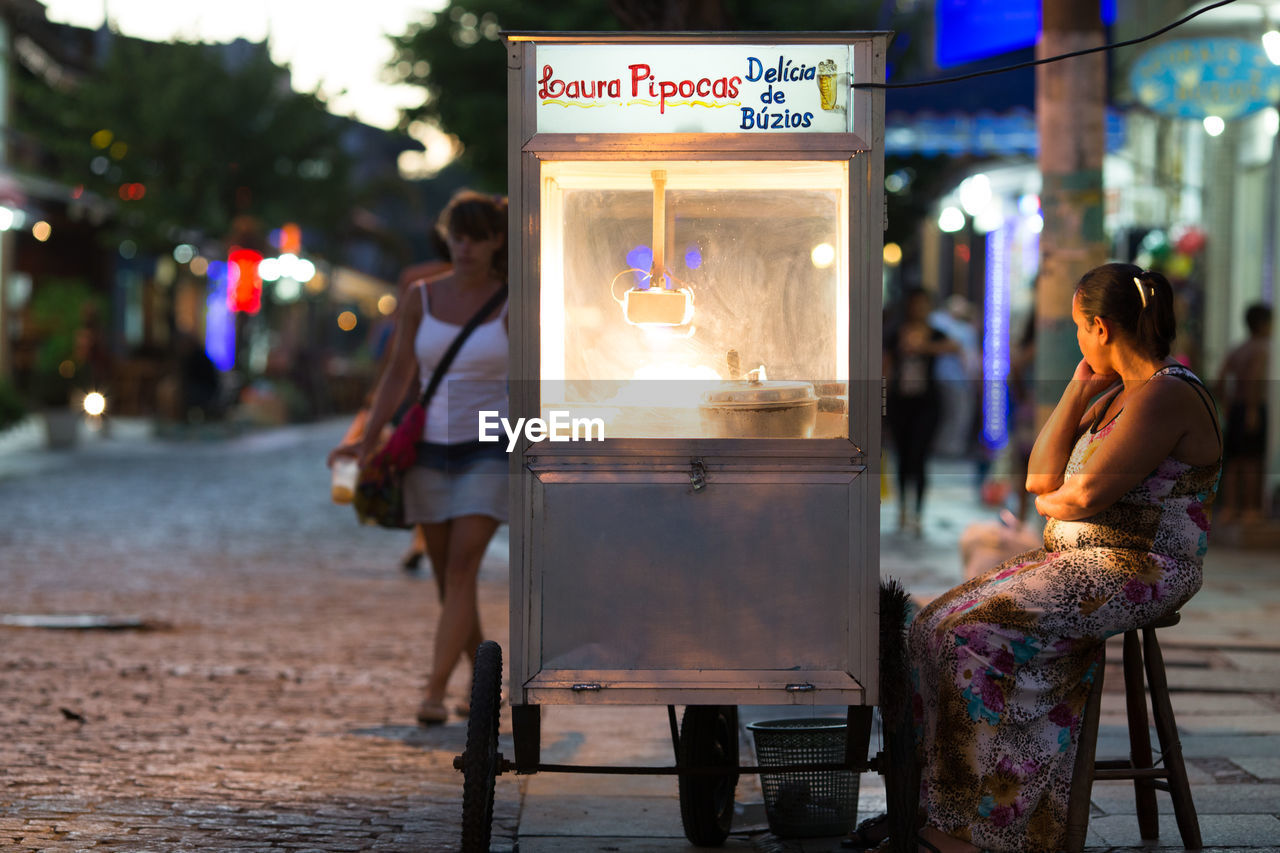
1045,61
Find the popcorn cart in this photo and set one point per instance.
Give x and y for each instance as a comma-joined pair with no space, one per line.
696,232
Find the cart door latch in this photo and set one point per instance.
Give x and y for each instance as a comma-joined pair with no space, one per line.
697,475
804,687
588,686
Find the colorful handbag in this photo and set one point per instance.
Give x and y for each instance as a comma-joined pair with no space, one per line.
379,495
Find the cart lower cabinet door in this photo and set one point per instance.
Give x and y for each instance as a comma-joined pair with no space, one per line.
740,579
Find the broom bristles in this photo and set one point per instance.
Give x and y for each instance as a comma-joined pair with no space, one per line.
901,770
895,679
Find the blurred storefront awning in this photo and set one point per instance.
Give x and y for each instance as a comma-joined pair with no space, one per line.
988,116
984,134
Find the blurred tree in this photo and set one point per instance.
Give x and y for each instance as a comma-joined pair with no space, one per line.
456,55
185,140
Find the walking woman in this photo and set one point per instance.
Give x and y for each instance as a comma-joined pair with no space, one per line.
914,402
1003,664
457,491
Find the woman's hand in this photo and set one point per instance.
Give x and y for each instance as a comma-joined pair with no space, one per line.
350,448
1090,382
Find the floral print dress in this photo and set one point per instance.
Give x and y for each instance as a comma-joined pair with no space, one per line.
1002,665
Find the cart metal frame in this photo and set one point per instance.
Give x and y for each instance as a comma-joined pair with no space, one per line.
834,481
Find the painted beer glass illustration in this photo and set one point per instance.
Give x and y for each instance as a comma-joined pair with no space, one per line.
827,83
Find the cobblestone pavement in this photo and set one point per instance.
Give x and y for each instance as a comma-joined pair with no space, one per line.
268,703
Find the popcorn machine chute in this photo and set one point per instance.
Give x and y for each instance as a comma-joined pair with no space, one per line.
695,272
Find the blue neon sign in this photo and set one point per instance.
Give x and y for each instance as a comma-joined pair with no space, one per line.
968,30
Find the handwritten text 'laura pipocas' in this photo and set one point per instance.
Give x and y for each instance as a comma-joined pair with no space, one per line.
643,86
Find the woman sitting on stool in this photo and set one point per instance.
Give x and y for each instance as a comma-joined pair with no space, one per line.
1002,664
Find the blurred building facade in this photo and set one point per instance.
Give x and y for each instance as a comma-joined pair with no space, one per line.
1191,175
310,335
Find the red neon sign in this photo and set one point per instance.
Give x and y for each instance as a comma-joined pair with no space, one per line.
244,285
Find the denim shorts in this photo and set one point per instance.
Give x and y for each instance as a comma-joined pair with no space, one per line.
453,482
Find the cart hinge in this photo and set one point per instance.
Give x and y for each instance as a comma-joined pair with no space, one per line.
884,398
885,223
697,475
803,687
586,686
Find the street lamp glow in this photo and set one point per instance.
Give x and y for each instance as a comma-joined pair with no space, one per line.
1271,121
951,219
6,218
287,290
1271,44
975,193
269,269
989,219
303,270
892,254
1213,125
94,404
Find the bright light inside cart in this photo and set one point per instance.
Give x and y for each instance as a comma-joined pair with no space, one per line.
681,299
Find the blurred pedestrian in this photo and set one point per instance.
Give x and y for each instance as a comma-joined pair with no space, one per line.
913,403
1242,387
457,491
1003,664
958,375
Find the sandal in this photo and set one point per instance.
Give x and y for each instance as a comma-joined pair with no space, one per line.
867,834
432,713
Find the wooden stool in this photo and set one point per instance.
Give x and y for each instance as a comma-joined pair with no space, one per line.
1139,767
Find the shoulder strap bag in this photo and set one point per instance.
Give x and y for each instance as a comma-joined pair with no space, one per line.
379,495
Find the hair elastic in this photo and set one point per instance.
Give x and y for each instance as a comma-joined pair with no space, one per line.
1141,291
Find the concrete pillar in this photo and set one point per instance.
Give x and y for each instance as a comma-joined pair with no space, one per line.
1219,206
1070,110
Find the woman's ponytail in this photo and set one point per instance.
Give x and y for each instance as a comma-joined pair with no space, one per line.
1156,325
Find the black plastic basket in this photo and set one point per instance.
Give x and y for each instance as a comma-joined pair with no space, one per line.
804,803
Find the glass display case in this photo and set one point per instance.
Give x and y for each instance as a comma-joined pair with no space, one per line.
696,299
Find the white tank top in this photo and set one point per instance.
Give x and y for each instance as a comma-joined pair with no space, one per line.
475,382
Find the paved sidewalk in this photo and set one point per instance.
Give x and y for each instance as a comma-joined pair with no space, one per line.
268,702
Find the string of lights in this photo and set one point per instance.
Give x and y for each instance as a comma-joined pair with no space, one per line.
1048,59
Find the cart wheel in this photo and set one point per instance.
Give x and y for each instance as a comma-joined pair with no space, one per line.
480,760
708,738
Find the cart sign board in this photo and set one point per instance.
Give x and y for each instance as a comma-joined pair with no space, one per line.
1195,78
729,88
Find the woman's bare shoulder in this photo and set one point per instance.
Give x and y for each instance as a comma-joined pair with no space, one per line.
1172,401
